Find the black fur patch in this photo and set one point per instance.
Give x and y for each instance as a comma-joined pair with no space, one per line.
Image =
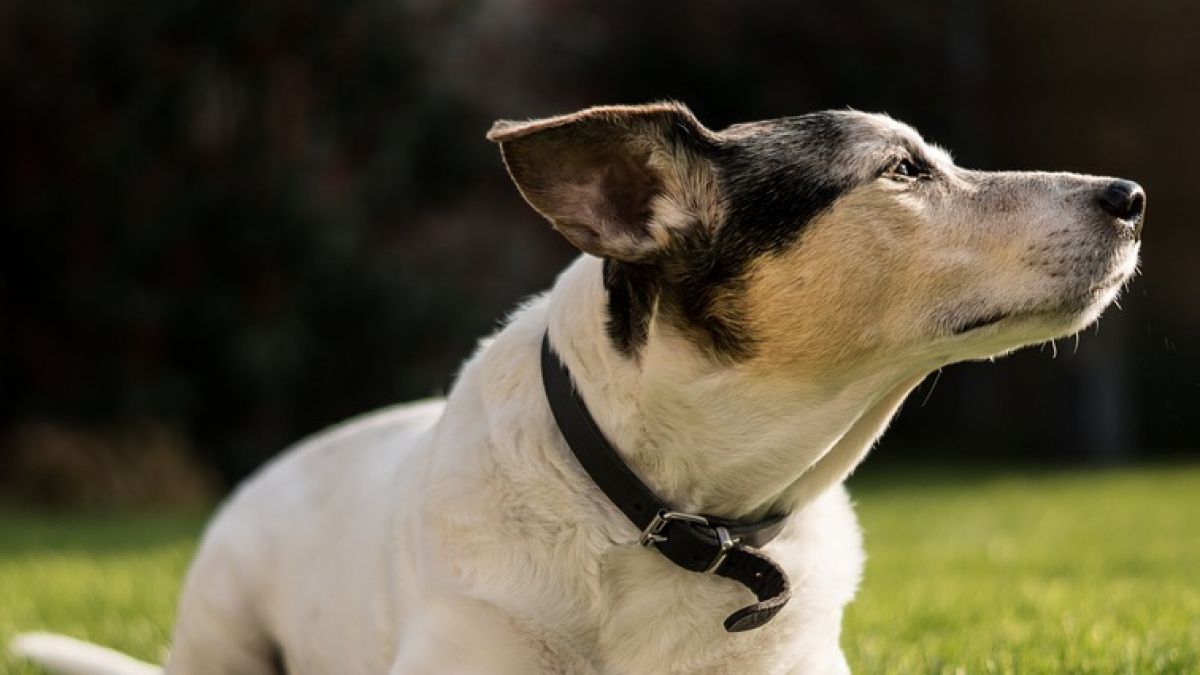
776,177
632,291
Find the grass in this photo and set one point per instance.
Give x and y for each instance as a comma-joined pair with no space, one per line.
1094,572
111,578
970,571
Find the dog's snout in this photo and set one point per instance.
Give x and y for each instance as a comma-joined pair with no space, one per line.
1126,200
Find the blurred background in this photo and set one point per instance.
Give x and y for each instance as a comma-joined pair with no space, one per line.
227,224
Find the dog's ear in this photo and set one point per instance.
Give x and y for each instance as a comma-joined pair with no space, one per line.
602,176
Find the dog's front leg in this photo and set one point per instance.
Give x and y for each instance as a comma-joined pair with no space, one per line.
821,650
831,662
442,656
466,637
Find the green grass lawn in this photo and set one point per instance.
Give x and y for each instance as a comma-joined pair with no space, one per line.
969,571
110,578
1090,572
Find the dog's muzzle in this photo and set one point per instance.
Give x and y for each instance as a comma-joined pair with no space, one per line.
697,543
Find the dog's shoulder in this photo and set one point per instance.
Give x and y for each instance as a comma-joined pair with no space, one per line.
322,476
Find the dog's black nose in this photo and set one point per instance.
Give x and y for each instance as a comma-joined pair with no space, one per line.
1126,200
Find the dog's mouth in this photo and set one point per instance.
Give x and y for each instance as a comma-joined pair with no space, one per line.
1083,300
1065,310
975,324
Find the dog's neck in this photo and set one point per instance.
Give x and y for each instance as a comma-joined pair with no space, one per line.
710,438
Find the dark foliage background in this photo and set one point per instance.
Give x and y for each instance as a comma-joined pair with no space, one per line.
243,221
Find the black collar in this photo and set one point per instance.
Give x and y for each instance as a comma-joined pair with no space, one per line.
694,542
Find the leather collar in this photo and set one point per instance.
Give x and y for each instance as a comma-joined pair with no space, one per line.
695,542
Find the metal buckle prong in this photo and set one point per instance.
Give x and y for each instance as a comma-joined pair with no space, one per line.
727,543
651,535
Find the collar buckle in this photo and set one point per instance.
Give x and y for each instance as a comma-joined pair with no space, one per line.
653,534
726,542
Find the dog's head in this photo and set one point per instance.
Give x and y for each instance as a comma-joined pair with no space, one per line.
825,243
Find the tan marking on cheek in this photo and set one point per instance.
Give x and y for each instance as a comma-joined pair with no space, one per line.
843,296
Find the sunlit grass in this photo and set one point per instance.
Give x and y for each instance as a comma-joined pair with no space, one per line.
969,571
1064,572
109,578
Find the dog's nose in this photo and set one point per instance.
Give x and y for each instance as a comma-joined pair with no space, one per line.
1126,200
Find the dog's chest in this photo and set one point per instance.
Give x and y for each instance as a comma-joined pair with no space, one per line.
633,612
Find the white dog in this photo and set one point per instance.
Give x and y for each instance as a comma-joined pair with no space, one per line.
751,308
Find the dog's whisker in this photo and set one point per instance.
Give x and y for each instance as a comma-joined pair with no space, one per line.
937,375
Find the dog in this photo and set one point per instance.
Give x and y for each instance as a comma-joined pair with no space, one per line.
750,309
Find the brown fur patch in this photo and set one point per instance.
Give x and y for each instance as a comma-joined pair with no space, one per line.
829,303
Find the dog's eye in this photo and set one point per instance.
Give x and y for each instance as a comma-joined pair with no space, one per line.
906,169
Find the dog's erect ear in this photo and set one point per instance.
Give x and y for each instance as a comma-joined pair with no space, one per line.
598,175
